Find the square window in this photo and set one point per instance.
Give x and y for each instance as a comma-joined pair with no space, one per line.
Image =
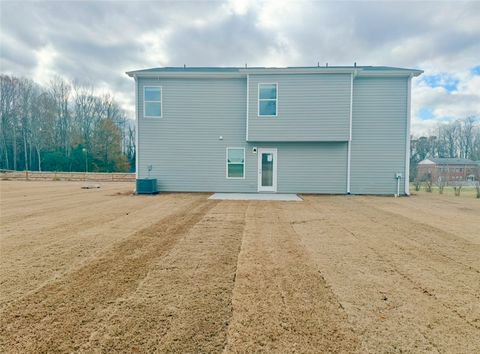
235,170
153,109
268,108
268,91
152,94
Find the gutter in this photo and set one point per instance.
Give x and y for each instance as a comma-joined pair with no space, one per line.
242,73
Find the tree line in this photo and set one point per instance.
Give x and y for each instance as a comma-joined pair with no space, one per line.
458,139
64,126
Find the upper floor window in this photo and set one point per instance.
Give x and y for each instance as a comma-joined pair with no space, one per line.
267,100
152,101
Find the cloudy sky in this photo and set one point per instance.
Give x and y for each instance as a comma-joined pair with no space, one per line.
97,41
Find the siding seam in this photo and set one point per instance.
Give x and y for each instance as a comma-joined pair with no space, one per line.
248,94
137,155
349,147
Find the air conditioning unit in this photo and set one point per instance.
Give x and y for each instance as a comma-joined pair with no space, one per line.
147,186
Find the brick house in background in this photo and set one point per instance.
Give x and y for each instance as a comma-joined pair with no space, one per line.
449,169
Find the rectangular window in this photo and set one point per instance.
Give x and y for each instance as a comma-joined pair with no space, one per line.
235,163
152,102
267,100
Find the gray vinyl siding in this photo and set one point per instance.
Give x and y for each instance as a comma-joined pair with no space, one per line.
313,107
184,146
311,167
308,167
379,124
187,155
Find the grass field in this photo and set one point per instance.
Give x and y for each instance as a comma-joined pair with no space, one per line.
102,270
465,192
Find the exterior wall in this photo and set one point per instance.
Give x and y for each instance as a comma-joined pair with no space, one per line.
183,146
379,128
187,155
311,107
309,167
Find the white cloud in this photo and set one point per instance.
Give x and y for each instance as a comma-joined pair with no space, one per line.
98,41
45,68
157,50
445,105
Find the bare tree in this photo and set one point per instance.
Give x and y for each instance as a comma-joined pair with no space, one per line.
7,98
60,91
466,137
51,126
87,112
25,99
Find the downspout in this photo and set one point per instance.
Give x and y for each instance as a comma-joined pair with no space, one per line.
407,140
349,144
398,186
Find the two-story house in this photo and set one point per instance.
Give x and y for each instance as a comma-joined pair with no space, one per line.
335,130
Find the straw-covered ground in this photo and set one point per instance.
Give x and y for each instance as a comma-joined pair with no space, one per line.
102,270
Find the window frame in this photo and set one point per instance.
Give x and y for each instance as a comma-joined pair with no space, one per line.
232,163
267,99
145,101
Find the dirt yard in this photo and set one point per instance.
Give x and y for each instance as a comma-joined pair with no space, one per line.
101,270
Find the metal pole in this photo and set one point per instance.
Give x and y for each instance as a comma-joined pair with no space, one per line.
86,162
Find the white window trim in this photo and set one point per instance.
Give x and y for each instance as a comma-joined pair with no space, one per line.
267,99
227,163
145,101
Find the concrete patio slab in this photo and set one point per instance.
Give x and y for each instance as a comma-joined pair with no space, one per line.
257,196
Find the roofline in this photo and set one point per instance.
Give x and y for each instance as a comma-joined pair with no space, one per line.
455,163
391,73
272,71
431,161
314,70
159,74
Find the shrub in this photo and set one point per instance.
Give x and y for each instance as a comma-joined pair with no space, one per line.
417,183
428,186
440,188
441,184
457,190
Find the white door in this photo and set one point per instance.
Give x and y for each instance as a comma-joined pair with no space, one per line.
267,170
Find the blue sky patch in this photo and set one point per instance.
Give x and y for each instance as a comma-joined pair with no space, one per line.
446,81
425,113
476,70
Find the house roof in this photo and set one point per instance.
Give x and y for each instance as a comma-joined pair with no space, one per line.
242,71
451,161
